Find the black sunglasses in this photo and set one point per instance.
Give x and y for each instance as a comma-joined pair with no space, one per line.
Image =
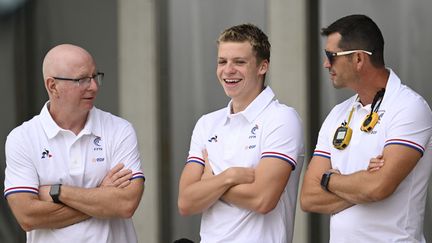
331,55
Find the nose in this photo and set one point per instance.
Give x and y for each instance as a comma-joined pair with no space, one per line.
94,85
229,68
326,63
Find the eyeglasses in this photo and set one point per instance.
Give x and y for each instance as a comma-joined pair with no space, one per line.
332,55
85,81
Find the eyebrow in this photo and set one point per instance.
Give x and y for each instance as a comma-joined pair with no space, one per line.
235,58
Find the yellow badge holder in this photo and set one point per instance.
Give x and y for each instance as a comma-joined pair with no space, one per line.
369,122
343,134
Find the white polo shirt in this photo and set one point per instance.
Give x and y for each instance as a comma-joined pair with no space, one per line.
405,119
265,128
39,152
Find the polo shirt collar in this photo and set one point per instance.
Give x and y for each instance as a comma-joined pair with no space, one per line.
255,108
393,83
52,129
90,126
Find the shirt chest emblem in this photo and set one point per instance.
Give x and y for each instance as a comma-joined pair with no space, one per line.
97,142
97,147
253,131
252,138
46,154
213,139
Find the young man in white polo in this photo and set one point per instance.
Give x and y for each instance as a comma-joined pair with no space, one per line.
73,172
244,160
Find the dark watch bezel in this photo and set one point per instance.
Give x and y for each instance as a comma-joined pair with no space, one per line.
55,193
325,179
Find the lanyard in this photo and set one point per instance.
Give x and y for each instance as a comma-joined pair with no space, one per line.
343,133
372,119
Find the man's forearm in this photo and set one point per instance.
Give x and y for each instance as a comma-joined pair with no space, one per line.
356,188
320,201
58,216
197,197
243,196
32,213
104,202
314,198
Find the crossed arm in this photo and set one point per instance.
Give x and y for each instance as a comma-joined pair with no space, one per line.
117,196
374,184
256,189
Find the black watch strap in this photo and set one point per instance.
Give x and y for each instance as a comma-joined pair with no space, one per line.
55,192
325,179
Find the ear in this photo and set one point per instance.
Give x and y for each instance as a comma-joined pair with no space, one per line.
264,65
359,60
51,87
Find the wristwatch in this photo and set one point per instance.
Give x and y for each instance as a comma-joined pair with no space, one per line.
325,179
55,192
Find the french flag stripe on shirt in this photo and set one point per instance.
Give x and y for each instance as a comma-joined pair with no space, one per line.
138,175
21,189
196,160
413,145
281,156
322,154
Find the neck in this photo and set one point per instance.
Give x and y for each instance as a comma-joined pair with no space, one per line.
68,120
237,107
371,84
239,104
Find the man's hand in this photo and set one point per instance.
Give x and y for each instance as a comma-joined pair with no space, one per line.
240,175
117,177
44,193
199,188
237,175
375,163
335,171
208,171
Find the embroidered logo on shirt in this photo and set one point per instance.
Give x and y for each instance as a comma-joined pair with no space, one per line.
94,160
213,139
253,130
250,147
97,141
46,154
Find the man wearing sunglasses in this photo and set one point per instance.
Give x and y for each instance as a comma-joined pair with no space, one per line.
73,172
370,200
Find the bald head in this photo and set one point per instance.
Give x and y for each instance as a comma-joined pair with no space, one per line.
66,60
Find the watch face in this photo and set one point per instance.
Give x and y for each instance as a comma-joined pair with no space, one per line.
325,180
55,193
54,190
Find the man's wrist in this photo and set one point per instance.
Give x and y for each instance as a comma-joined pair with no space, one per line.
55,193
325,180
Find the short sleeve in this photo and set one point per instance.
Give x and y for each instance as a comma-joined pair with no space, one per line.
197,144
127,152
20,173
283,138
323,146
411,126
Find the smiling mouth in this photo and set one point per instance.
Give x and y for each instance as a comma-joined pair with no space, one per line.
232,81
